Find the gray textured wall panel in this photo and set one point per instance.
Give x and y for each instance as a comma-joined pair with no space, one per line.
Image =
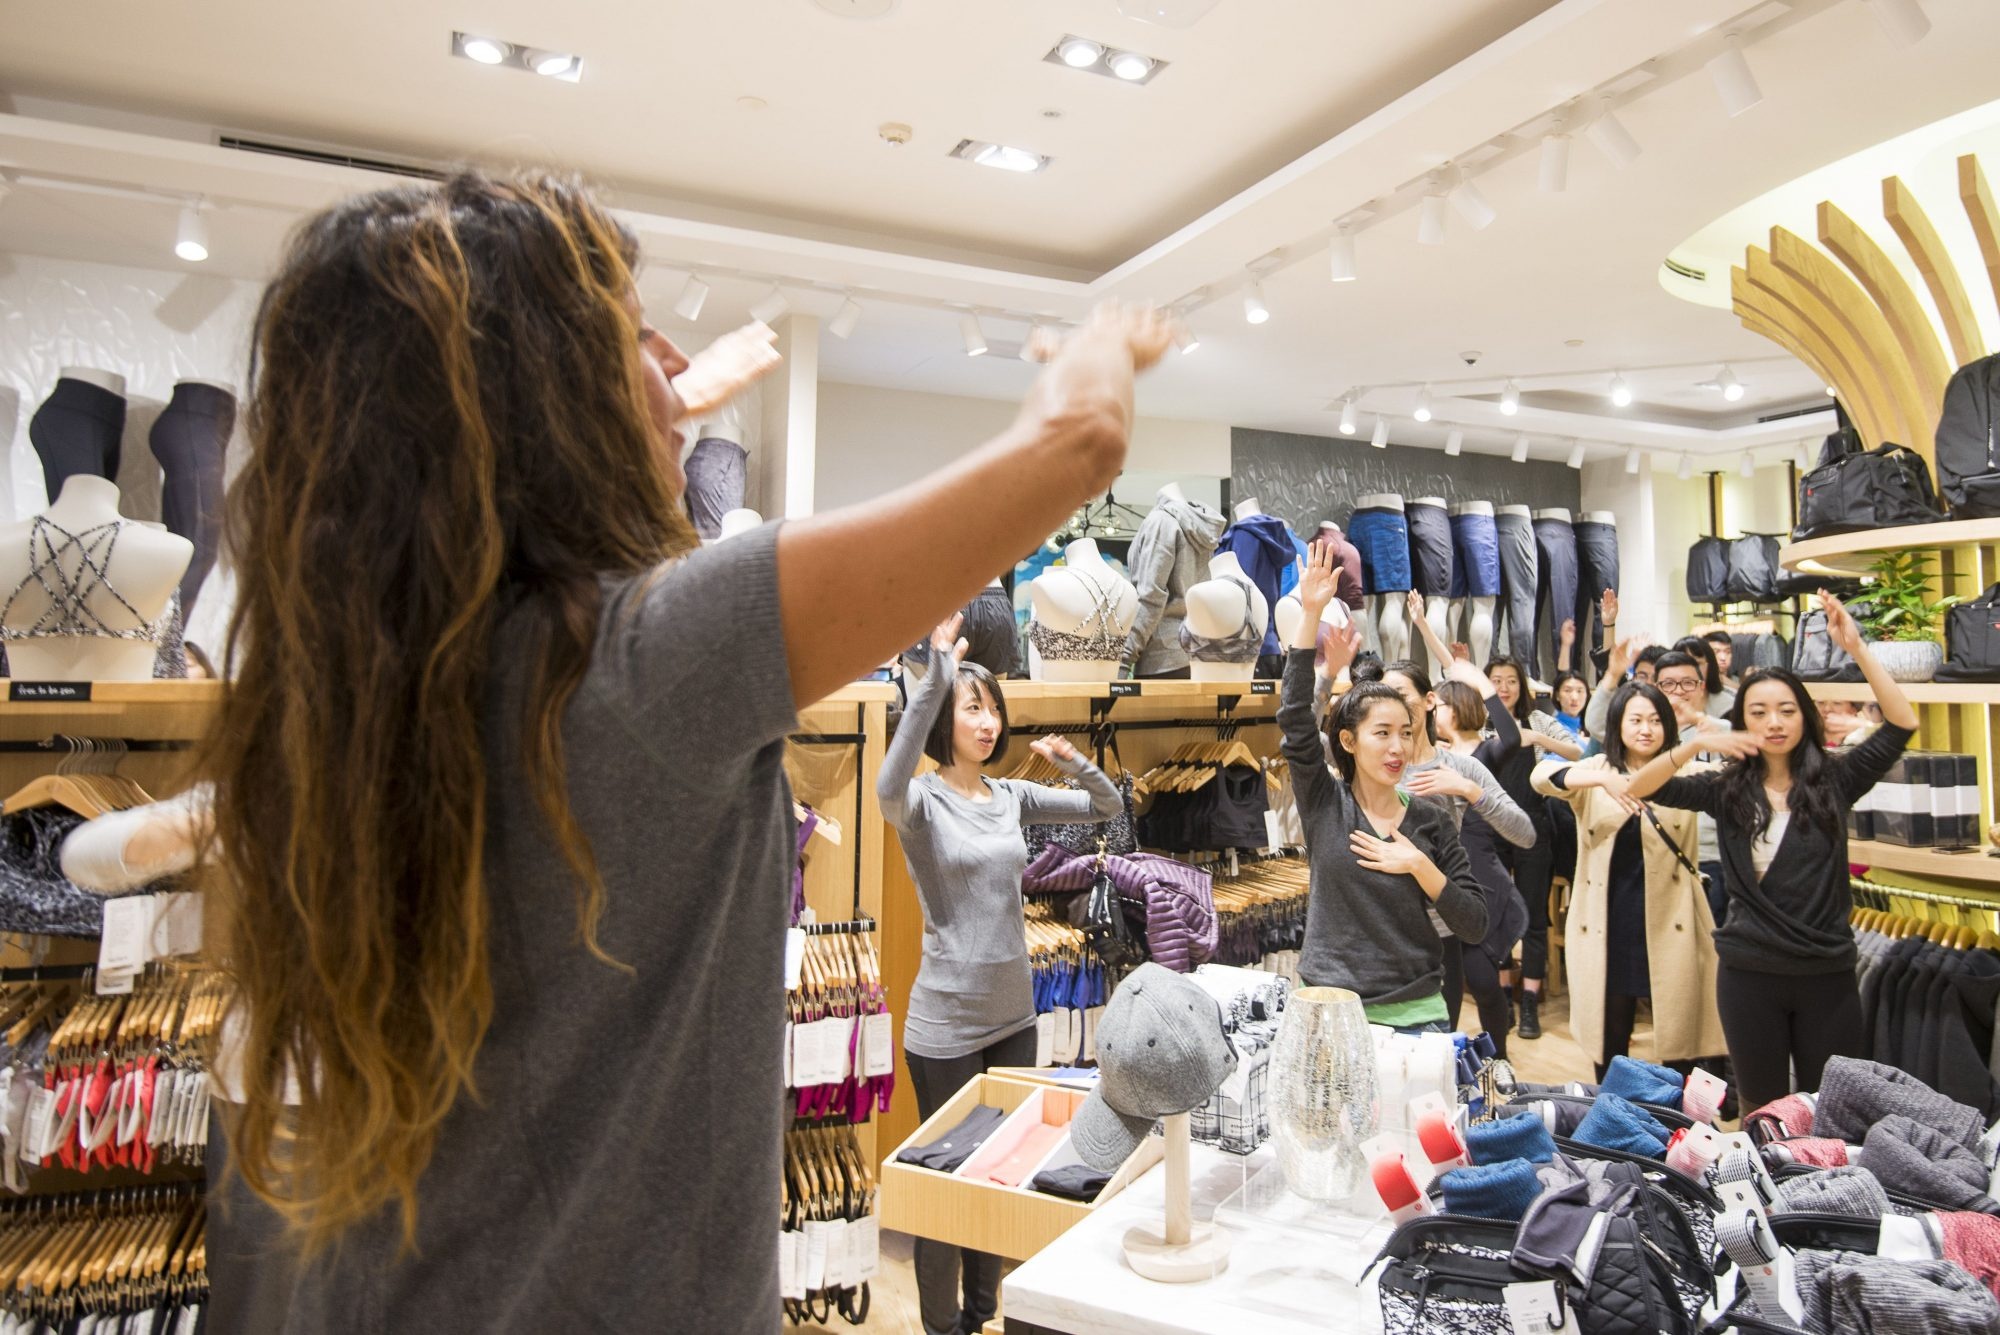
1304,479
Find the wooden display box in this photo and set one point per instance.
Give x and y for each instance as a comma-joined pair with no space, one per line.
1015,1222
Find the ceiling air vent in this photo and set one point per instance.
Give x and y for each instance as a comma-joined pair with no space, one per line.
332,157
1693,275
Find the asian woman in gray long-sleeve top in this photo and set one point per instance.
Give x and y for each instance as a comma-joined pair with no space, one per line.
1379,857
973,1005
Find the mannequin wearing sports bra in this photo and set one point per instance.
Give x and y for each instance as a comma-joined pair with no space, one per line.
1083,611
87,592
1223,632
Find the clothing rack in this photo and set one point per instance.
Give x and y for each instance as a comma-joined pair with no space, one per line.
1873,888
52,744
857,739
38,973
860,926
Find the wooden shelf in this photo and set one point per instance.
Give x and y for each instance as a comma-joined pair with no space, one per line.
137,710
1920,693
1925,861
1853,553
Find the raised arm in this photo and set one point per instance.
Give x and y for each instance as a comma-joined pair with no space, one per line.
1566,645
1497,809
1695,792
1302,746
931,545
1098,800
1439,652
1889,697
906,748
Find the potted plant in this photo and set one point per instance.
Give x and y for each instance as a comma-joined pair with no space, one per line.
1901,621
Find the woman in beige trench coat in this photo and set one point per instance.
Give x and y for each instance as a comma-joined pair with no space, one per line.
1639,925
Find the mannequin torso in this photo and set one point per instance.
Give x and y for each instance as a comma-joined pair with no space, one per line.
1381,500
1600,517
1554,512
90,375
1473,508
141,566
222,385
1082,597
1171,492
1519,511
1246,507
1219,608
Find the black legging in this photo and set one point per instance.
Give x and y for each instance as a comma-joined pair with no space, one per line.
1533,868
943,1269
1471,967
1781,1023
189,440
1621,1013
77,430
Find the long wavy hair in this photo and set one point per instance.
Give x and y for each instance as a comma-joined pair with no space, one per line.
448,422
1812,795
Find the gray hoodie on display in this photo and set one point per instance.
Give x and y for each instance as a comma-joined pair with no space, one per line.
1170,553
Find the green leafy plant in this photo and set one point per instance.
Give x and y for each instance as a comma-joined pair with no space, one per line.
1899,601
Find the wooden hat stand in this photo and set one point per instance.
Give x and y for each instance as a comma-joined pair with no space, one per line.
1183,1251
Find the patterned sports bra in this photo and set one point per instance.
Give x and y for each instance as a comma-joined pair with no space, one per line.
1097,640
1239,646
69,568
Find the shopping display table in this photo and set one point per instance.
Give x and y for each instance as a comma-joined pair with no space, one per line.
1280,1280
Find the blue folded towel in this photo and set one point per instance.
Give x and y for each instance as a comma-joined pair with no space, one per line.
1522,1136
1492,1191
1643,1082
1615,1123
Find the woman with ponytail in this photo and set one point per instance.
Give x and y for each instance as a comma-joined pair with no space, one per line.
1380,856
502,836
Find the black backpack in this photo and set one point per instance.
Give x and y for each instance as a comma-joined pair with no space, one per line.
1972,640
1968,442
1852,489
1753,569
1708,570
1815,657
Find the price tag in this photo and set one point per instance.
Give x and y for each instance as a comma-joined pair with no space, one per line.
128,931
1045,1039
183,919
48,692
837,1267
1237,1084
795,957
1702,1095
114,984
1904,1239
790,1283
41,1112
1121,690
879,1043
1263,688
1274,834
1090,1019
1534,1309
865,1245
1432,1102
816,1245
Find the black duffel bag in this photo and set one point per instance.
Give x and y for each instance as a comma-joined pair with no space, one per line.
1968,442
1708,570
1753,569
1972,640
1852,489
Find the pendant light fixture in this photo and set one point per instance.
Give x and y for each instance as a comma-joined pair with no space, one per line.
1347,416
191,236
1340,261
1621,393
693,294
974,336
1431,221
845,319
1612,139
771,306
1734,83
1521,448
1454,442
1554,176
1380,439
1576,455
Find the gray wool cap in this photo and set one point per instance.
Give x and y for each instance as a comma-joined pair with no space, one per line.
1161,1050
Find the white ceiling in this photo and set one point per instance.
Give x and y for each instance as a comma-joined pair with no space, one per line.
1275,118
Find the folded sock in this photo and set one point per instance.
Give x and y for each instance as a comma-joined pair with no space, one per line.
1972,1242
1850,1191
1817,1151
1492,1191
1786,1118
1616,1123
1522,1136
1643,1082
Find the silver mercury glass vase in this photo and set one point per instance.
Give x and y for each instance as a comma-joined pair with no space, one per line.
1323,1092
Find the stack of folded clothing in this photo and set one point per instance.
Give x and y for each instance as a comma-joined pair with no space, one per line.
1616,1123
1849,1293
1849,1191
1643,1082
949,1151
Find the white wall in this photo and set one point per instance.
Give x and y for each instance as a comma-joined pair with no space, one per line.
874,440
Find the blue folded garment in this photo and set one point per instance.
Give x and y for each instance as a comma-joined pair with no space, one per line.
1492,1191
1522,1136
1643,1082
1615,1123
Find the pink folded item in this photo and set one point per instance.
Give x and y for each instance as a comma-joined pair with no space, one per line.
1818,1151
1972,1242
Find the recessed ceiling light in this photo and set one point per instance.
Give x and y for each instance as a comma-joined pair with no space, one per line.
751,102
1166,13
1832,393
1510,399
191,237
561,65
1079,52
1572,342
1000,156
552,64
485,50
1129,65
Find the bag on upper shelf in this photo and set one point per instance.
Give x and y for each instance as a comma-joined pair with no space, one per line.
1968,442
1708,570
1972,640
1815,657
1852,489
1753,569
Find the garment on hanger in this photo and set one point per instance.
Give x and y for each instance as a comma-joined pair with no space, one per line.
1241,645
35,896
1263,546
840,987
1117,835
69,568
1346,566
1177,900
78,429
189,440
717,471
1097,640
1169,555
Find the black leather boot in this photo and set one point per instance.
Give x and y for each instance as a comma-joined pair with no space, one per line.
1531,1016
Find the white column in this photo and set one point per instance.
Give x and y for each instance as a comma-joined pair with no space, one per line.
791,419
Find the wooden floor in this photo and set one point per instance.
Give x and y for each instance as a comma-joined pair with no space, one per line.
1551,1059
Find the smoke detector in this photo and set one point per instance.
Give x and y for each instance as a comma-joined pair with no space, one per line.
857,9
895,133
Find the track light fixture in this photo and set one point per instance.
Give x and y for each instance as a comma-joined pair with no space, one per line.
1340,261
1732,388
1555,164
1686,469
974,336
1472,205
845,319
771,306
1521,448
1904,20
1454,442
1510,399
693,294
191,236
1431,221
1254,309
1613,140
1621,393
1575,459
1185,339
1381,437
1347,416
1423,412
1734,83
1632,463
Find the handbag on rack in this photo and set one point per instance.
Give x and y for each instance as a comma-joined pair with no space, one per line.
1753,569
1852,489
1972,640
1968,442
1815,657
1099,913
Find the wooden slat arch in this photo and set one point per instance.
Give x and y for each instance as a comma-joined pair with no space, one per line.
1762,313
1884,282
1985,219
1860,383
1864,323
1913,226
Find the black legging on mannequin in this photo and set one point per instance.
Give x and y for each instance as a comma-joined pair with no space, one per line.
189,440
77,430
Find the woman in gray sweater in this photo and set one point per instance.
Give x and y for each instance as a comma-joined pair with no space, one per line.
973,1004
1380,856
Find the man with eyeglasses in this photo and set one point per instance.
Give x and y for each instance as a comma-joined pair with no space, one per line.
1683,680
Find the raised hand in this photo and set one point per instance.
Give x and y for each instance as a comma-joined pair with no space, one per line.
1625,653
1735,745
1342,643
726,367
1055,749
1443,782
1395,855
1318,584
1607,607
1569,631
945,642
1840,624
1415,602
1461,650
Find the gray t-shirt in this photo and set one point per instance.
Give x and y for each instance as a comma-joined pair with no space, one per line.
973,987
622,1167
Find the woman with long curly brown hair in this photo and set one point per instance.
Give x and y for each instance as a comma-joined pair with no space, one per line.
500,817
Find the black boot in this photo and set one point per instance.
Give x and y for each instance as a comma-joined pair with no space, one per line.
1531,1017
